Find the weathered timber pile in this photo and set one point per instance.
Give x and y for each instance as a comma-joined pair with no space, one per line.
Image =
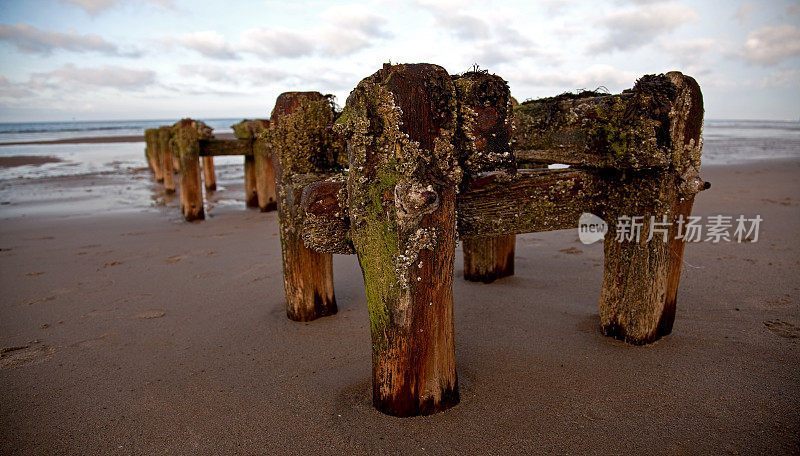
419,159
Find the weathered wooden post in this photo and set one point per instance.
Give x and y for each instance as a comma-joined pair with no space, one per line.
645,147
265,174
400,125
484,135
186,135
165,152
209,176
640,280
250,130
305,150
152,152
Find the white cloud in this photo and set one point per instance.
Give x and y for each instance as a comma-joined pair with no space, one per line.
633,28
591,78
745,11
689,52
276,43
789,78
210,44
346,30
33,40
236,76
118,77
94,7
770,45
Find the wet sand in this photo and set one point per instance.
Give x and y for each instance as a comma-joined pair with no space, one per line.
27,160
129,331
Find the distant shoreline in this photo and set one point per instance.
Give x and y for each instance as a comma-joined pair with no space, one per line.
97,140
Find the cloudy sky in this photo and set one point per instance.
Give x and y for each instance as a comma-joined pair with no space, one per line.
146,59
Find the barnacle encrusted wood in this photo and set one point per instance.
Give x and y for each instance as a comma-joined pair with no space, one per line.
186,136
247,131
640,280
165,152
635,129
400,125
482,144
306,150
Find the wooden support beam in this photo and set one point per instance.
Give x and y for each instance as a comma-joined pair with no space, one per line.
483,135
631,130
165,153
640,280
400,125
187,134
152,153
209,175
300,134
494,204
220,147
259,178
326,224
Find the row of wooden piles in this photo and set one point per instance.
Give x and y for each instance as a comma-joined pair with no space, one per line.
419,159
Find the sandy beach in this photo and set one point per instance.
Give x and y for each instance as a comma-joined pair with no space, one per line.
125,330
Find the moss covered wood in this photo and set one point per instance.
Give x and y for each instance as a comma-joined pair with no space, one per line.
400,125
165,152
640,280
631,130
186,136
483,144
220,147
247,131
263,167
495,204
305,150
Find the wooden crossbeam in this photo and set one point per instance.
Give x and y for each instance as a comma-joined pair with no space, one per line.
493,204
641,128
220,147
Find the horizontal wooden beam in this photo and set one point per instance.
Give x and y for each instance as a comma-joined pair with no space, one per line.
532,200
646,127
218,147
493,204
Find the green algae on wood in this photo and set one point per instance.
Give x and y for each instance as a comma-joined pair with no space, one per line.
400,125
632,130
483,144
305,150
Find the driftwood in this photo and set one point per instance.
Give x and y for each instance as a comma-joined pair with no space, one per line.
305,150
400,125
484,132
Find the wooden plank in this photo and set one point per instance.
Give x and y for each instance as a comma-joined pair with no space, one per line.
494,204
640,128
219,147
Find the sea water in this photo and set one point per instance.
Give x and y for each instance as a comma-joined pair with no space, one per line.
122,168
